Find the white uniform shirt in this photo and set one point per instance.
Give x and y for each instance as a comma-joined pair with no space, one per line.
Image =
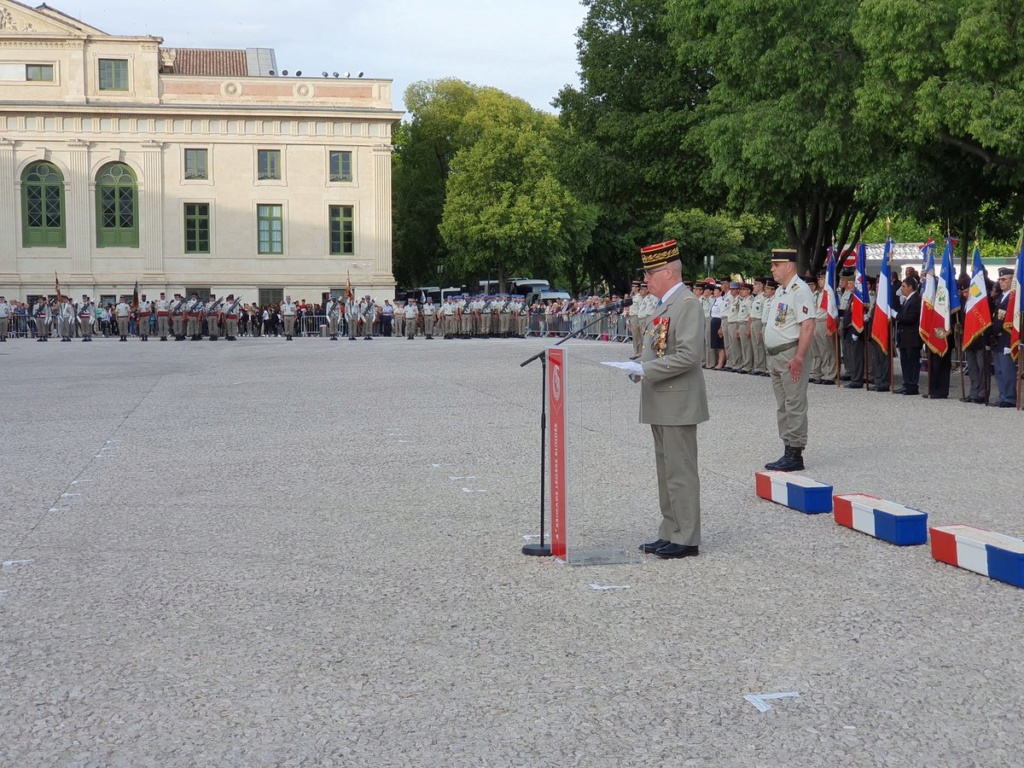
793,305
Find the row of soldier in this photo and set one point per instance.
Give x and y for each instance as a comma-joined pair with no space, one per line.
465,317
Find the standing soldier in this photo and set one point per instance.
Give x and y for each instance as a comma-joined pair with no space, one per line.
368,310
727,302
845,299
212,311
231,317
178,317
788,336
429,315
144,310
824,370
163,316
42,313
5,317
757,327
334,316
449,318
634,320
743,340
194,308
707,300
734,356
65,318
410,313
464,317
351,316
288,310
644,309
122,312
86,317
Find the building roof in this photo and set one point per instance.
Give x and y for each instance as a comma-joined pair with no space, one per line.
210,61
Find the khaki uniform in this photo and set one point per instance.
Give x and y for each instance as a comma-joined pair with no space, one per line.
333,318
213,307
5,318
727,301
145,311
122,312
86,318
792,306
194,308
757,332
824,368
429,316
178,318
163,318
411,312
744,340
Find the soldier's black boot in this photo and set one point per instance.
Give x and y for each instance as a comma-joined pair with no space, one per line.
792,462
777,464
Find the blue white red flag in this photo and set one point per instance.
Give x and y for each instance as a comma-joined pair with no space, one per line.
860,291
829,302
883,301
977,311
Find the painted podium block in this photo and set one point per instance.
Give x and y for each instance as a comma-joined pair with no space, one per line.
794,491
975,549
882,519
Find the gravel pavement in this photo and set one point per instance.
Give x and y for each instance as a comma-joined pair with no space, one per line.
271,553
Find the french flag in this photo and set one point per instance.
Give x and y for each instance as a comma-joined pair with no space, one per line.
883,302
860,291
1013,319
829,302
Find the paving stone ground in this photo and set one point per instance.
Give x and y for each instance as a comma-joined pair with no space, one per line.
247,555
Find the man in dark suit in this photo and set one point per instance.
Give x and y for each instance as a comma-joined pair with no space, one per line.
673,399
908,336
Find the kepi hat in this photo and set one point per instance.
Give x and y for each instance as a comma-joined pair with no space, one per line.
659,254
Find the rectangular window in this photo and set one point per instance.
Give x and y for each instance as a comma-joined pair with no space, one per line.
113,74
196,164
341,166
268,164
270,228
342,231
39,72
197,227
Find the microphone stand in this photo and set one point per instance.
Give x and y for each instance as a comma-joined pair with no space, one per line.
543,549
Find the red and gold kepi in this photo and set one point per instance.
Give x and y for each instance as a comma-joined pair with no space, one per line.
783,254
659,254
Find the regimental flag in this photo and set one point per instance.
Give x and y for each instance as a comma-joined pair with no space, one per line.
945,303
135,296
1013,319
828,297
860,300
927,294
927,254
977,312
883,301
56,285
349,293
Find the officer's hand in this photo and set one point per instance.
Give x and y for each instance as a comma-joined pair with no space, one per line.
796,366
636,378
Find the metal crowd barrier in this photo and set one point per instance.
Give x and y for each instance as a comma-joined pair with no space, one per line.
611,327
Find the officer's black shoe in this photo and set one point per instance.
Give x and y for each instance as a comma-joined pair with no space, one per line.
334,338
654,546
774,465
793,462
676,551
854,385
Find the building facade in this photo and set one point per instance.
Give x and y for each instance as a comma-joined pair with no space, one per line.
124,162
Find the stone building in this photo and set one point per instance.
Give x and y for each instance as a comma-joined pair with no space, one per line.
184,169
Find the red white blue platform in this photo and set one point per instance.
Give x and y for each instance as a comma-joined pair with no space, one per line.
975,549
882,519
794,491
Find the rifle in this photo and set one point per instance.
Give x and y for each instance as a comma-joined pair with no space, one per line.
178,308
214,303
231,310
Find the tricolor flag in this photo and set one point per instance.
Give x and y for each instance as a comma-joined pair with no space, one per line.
927,294
945,303
1013,320
349,293
56,285
860,291
883,302
828,296
927,254
977,312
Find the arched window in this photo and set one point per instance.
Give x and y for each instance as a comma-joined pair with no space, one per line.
117,204
42,206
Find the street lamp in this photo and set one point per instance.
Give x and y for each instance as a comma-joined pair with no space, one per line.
709,265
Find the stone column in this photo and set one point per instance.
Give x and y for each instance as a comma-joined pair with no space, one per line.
151,211
11,207
79,208
382,271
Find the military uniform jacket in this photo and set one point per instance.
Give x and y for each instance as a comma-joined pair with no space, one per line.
672,392
792,306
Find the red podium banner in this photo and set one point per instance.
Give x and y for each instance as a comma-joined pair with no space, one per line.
557,391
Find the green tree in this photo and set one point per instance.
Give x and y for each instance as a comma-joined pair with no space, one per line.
778,124
739,243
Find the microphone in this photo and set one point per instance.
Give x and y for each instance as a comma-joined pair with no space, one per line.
626,302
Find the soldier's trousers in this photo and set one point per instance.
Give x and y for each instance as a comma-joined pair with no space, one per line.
289,325
86,327
853,357
709,357
178,324
195,325
979,372
122,327
746,349
211,324
64,328
824,352
637,335
143,326
161,326
790,398
757,340
467,324
332,322
881,366
3,328
231,327
727,344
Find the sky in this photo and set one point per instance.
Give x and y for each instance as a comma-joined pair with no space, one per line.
526,48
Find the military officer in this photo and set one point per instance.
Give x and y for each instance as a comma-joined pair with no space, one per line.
429,315
42,314
788,336
5,317
367,311
194,308
673,400
143,312
178,317
743,341
230,310
213,310
824,370
86,316
757,327
333,316
65,318
448,311
162,307
288,311
411,313
122,312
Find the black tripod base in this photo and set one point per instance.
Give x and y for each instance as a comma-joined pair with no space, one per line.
537,550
